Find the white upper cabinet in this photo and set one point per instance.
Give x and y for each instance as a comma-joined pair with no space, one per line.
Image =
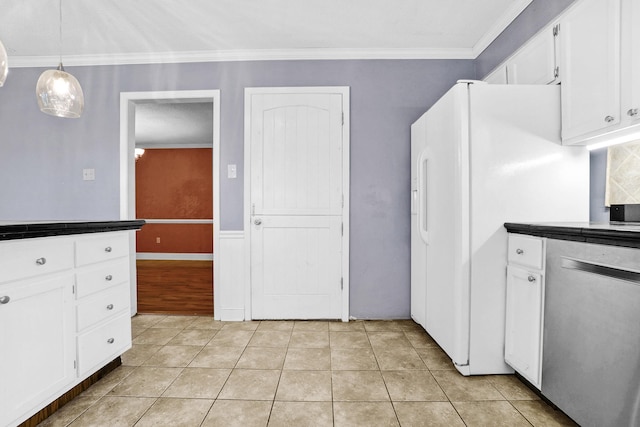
631,62
593,50
497,76
590,66
535,62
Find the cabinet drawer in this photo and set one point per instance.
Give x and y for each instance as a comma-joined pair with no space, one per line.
103,344
102,276
90,250
102,305
526,251
20,260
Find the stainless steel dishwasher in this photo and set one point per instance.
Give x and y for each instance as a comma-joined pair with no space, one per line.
591,351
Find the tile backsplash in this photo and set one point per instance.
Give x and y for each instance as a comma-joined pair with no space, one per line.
623,174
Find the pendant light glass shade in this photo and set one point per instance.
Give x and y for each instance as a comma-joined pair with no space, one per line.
4,64
59,94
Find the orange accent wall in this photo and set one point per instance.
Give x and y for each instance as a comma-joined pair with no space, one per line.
175,184
176,238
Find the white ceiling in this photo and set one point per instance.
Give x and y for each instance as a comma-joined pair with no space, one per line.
151,31
174,123
145,31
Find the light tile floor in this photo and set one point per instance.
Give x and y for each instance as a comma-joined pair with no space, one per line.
194,371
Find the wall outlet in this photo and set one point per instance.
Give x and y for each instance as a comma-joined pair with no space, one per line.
157,240
231,171
88,174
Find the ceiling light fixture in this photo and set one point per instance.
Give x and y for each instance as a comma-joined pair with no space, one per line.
4,64
138,152
59,93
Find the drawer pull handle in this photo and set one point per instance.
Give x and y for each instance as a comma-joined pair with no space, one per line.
110,307
5,299
609,119
110,340
531,279
108,278
519,251
41,261
632,112
107,249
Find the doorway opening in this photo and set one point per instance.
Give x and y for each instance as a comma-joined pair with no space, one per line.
174,187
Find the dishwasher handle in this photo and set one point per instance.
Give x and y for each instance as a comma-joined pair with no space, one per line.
602,270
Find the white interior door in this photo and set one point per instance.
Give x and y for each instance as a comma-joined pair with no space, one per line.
296,204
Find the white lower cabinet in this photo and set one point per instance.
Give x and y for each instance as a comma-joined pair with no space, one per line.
107,341
65,316
37,352
525,307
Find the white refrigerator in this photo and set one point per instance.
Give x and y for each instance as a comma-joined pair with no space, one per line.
481,156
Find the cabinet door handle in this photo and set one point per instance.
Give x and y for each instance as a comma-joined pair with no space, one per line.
110,307
108,278
519,251
107,249
110,340
5,299
531,279
41,261
609,119
632,112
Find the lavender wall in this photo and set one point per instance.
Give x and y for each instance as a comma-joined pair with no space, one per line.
42,157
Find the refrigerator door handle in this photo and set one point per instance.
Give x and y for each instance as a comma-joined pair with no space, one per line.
422,197
414,202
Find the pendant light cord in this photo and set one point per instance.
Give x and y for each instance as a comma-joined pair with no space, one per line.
60,10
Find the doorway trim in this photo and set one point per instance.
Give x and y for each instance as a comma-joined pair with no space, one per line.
344,91
128,101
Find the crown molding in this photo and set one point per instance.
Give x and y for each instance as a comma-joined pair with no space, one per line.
240,55
507,18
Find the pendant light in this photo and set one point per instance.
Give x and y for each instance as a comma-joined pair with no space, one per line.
4,64
59,93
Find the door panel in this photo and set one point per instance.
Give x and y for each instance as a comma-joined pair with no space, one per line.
296,152
296,205
297,262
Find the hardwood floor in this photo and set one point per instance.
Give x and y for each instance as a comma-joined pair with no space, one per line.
175,287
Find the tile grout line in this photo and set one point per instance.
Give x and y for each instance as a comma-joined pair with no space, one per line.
282,368
273,402
385,382
166,388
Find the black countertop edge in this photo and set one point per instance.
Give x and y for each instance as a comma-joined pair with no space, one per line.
602,236
48,229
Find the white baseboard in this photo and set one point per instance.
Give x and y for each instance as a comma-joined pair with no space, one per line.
231,274
232,314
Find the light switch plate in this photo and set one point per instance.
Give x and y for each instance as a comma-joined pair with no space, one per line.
231,171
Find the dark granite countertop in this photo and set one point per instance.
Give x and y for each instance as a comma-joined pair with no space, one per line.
12,230
625,234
